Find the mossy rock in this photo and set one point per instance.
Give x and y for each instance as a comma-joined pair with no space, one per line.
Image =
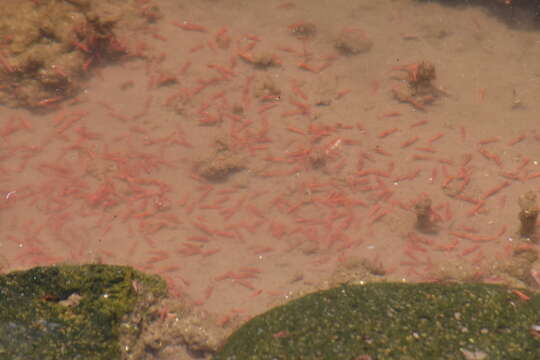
68,312
394,321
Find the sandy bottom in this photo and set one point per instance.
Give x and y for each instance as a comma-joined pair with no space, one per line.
248,157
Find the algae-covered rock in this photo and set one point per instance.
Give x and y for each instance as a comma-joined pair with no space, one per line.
48,46
69,312
395,321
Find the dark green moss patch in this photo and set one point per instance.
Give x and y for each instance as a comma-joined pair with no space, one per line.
68,312
394,321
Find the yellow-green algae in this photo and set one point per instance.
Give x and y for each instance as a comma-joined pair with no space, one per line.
69,312
47,46
381,321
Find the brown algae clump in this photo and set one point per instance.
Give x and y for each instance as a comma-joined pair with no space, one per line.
47,47
421,90
423,216
528,214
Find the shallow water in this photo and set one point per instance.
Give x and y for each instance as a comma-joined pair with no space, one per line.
243,184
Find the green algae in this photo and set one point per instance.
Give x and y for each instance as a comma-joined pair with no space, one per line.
394,321
68,312
76,312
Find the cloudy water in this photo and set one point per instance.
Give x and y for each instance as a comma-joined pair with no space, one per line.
248,151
